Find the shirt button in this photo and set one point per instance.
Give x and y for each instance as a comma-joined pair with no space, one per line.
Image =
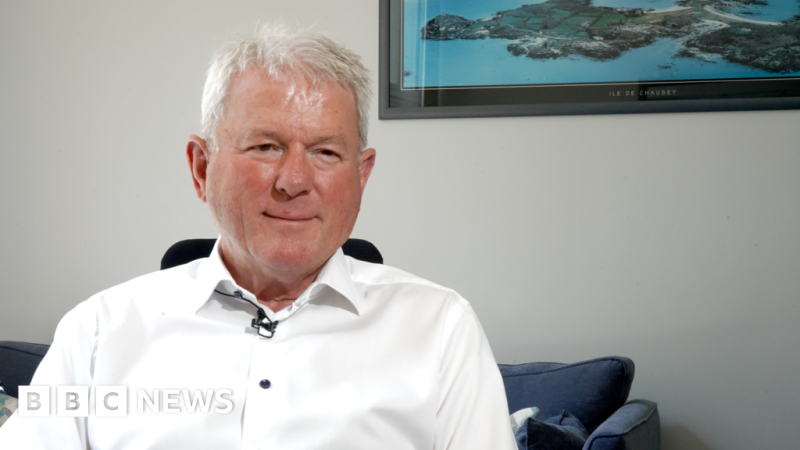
264,383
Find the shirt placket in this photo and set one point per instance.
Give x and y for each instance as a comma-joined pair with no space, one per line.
268,381
266,393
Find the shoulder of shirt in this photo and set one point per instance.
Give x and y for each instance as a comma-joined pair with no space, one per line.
154,287
376,275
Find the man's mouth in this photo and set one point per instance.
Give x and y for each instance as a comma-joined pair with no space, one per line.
290,217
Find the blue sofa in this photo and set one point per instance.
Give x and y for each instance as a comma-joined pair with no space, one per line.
594,391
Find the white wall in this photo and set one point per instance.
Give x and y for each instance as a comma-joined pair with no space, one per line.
671,239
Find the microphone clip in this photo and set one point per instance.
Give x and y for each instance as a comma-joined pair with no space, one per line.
259,325
262,322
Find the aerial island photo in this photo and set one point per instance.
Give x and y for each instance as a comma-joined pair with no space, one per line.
450,43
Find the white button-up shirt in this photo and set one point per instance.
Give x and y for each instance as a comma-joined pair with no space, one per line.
368,357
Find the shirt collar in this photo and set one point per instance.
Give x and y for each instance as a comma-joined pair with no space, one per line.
336,275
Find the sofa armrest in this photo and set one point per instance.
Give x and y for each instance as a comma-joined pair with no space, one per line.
635,426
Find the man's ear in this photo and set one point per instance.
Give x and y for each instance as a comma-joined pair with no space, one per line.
367,162
197,155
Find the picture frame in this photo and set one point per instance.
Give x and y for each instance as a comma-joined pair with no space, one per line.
399,99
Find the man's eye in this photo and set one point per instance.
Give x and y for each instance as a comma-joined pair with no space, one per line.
265,147
329,153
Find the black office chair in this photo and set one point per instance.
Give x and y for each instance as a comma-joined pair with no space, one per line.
186,251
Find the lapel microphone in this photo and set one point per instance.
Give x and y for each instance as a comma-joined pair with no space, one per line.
262,322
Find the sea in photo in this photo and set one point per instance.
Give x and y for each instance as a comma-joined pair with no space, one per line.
487,62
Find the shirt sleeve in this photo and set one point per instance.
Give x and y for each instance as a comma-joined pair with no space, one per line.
67,363
473,410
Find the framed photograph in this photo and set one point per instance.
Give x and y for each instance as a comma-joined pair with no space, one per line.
482,58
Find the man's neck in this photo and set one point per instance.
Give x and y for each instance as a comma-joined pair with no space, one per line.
273,288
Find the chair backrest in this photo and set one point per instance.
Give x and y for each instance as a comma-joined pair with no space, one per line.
190,249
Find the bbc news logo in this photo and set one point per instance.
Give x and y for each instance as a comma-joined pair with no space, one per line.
112,401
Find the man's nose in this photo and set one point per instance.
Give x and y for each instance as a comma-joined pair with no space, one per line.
295,173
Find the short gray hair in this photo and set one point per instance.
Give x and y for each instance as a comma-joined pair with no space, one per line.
282,51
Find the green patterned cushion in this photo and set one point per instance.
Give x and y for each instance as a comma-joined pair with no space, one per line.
8,405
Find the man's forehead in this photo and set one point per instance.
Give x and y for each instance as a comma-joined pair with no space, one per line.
261,105
296,86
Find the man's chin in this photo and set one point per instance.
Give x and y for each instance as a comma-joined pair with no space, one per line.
293,257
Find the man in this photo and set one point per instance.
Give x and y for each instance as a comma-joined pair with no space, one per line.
350,355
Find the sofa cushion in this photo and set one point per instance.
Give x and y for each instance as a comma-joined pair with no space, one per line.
519,418
561,432
591,390
18,362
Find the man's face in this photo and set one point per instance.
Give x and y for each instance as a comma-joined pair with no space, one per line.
285,185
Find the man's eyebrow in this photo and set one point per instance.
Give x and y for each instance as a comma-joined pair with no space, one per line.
264,134
333,139
318,140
